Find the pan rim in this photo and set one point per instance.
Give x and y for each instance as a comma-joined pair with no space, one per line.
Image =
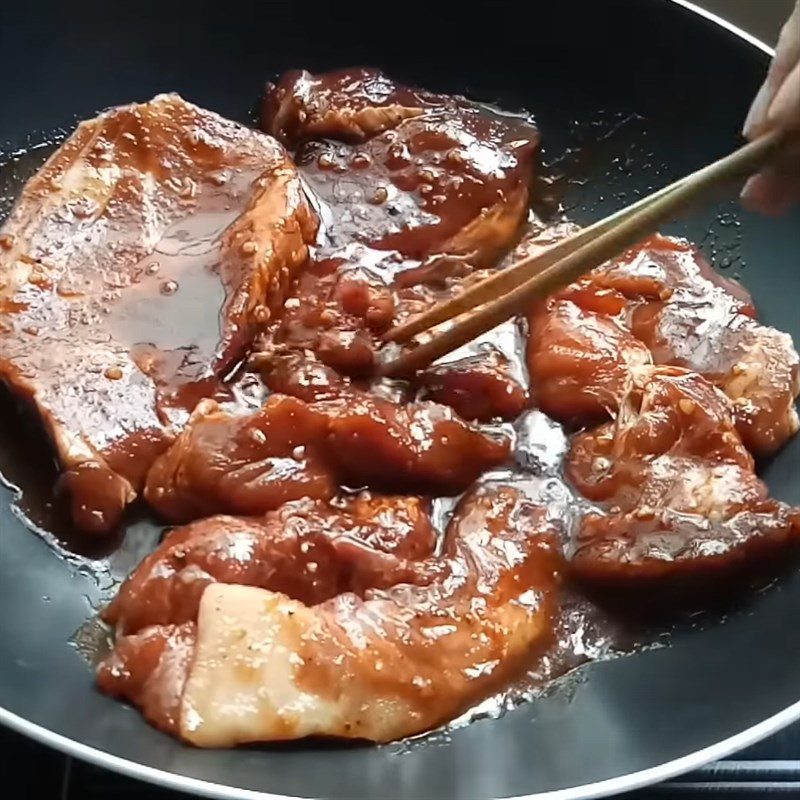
603,788
218,791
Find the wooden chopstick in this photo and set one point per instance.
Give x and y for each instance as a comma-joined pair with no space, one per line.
509,278
508,293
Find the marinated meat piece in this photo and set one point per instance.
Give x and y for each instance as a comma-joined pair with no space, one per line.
253,463
242,464
579,361
484,380
309,550
335,316
418,447
480,387
350,352
312,307
445,184
673,301
678,484
756,366
393,664
690,316
579,353
637,548
666,411
362,298
659,266
150,670
299,374
148,224
424,189
350,104
421,174
332,325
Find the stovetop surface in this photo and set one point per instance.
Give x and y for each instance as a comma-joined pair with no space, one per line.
30,771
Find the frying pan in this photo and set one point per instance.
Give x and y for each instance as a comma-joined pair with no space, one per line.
657,87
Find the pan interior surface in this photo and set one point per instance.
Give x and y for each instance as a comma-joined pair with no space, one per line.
629,95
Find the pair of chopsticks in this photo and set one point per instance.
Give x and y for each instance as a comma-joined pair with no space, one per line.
511,291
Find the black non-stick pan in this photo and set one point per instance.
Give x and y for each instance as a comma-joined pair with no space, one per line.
648,89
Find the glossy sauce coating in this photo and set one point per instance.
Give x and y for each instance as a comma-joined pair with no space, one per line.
678,486
140,261
252,463
415,191
309,550
324,609
395,663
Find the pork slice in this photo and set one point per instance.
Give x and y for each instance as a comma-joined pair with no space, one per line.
350,104
135,269
308,549
400,169
690,316
395,663
681,499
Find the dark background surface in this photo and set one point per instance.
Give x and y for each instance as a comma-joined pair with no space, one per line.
648,92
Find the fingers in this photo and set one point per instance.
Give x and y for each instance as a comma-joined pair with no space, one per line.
777,105
771,192
775,189
784,111
787,57
787,51
758,111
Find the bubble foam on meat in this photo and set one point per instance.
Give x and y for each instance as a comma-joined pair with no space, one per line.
136,267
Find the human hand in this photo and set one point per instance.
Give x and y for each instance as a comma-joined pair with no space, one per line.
777,105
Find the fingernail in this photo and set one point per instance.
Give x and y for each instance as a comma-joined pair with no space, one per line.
757,112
